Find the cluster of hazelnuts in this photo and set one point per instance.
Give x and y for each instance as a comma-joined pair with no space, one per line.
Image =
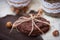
18,10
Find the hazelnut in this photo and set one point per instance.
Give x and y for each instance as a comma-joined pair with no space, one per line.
13,9
56,33
25,9
17,11
40,12
8,24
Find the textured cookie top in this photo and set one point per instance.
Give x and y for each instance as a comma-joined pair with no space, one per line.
31,24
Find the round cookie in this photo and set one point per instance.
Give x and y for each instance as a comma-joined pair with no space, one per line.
32,25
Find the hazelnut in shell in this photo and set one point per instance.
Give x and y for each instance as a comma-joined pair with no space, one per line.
9,24
56,33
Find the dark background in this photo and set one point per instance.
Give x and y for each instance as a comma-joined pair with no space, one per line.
14,35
